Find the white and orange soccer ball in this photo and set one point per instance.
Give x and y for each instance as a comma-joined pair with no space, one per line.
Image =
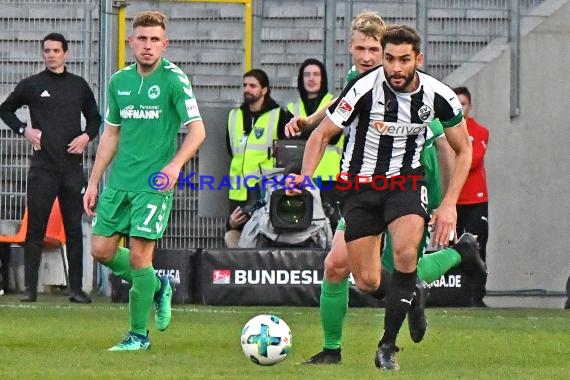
266,339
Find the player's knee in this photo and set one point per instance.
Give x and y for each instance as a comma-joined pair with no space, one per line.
138,261
101,251
100,254
405,259
335,274
367,283
336,269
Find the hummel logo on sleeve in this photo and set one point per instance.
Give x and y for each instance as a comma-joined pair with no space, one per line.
45,94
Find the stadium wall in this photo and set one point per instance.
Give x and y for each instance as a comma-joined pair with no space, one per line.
526,160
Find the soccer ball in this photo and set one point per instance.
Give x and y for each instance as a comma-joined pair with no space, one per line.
266,339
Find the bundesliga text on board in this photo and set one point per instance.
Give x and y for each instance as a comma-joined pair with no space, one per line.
299,277
343,182
267,277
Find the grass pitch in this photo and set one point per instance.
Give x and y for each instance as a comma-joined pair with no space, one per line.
53,339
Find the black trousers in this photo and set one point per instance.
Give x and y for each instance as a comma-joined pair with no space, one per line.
474,219
43,187
4,263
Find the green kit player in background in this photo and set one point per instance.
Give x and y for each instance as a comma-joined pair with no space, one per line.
367,29
148,102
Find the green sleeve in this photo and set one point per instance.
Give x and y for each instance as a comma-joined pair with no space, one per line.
436,128
183,98
113,114
453,121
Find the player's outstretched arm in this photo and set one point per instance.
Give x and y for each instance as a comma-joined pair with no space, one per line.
298,124
317,144
314,151
192,142
445,217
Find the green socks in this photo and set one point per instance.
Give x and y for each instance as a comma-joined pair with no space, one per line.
144,285
434,265
333,308
334,296
120,265
141,295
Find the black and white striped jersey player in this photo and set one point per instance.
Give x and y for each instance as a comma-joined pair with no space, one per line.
387,111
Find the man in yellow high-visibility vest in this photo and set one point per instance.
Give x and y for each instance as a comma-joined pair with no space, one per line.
252,128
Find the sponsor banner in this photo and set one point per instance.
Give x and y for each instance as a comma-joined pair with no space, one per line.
261,277
177,264
449,290
290,277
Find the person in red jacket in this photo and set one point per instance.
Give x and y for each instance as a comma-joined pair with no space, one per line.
472,206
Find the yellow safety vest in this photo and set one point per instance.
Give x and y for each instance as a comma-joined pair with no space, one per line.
250,152
329,166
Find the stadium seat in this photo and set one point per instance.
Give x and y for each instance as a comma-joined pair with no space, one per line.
55,234
20,236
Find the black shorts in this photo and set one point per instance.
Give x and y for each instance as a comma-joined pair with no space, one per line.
368,210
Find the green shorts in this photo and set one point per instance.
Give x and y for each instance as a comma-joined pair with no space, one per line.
132,213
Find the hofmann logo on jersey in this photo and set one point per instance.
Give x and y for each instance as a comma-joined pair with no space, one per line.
397,129
145,113
267,277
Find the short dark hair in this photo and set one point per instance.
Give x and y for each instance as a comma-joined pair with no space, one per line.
401,34
462,90
261,77
56,37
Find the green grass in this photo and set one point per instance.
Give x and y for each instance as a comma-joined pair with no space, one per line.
53,339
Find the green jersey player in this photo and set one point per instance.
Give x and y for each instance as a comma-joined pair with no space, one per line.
148,102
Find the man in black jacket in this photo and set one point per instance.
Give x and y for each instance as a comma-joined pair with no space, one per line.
56,100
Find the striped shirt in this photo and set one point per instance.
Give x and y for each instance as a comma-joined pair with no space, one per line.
388,129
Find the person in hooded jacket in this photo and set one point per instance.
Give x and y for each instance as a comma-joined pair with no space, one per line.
312,84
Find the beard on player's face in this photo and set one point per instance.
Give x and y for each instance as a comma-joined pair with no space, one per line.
400,81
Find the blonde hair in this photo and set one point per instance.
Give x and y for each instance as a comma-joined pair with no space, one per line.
370,24
150,18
